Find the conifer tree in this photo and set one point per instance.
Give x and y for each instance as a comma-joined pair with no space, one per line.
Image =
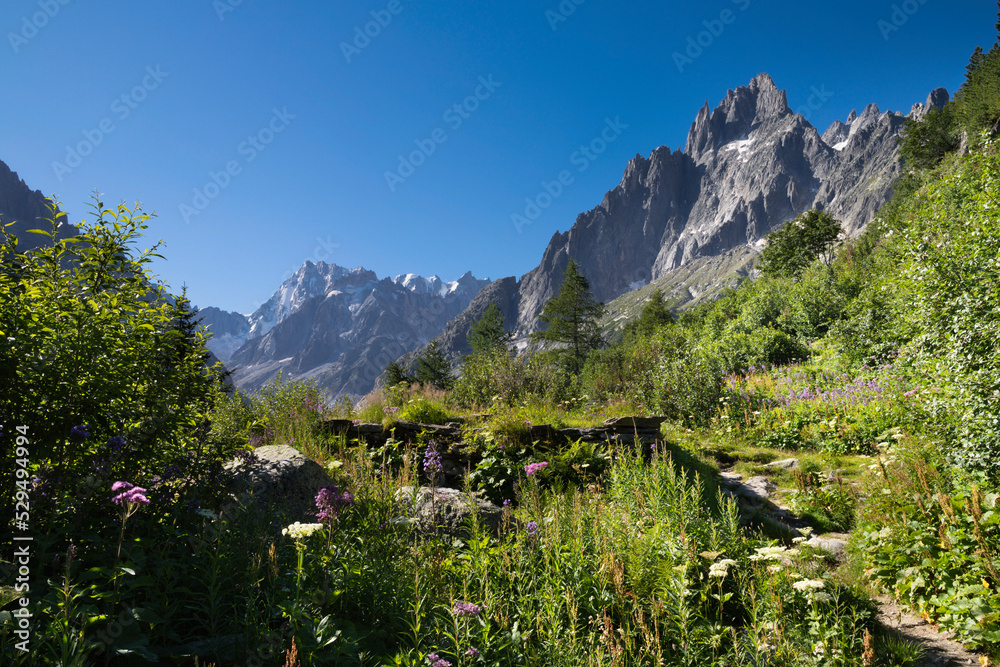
433,368
487,334
396,374
572,316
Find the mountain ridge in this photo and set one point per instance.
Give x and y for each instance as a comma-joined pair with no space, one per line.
749,165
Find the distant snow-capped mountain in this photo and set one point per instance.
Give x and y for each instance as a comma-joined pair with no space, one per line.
338,326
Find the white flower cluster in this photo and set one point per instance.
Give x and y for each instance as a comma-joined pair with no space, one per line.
773,553
301,530
721,569
808,584
814,588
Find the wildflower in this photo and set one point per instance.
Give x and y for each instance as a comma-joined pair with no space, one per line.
506,502
300,530
466,609
331,501
81,432
820,596
432,461
531,529
130,494
771,553
115,443
472,650
721,569
436,661
532,468
172,471
808,584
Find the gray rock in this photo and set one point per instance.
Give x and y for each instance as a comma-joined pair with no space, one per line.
783,464
756,488
281,485
445,511
834,546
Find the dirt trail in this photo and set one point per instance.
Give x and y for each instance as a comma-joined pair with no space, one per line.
941,651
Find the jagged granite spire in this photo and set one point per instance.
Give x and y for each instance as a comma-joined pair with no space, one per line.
743,110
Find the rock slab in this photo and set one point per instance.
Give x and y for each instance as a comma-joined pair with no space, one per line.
281,484
446,511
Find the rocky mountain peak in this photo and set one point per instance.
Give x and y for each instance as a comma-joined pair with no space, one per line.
743,110
935,100
26,209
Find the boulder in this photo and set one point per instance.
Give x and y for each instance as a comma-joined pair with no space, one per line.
629,424
835,546
755,489
280,483
783,464
445,511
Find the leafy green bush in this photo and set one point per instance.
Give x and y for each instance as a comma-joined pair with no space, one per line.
102,368
951,243
499,377
739,351
828,506
423,410
935,547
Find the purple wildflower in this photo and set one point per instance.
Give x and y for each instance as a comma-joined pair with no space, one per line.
331,501
532,468
115,443
130,494
172,471
531,529
432,461
81,432
472,650
436,661
466,609
506,502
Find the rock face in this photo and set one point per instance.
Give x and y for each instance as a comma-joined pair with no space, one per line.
342,327
281,484
229,330
748,166
445,511
27,209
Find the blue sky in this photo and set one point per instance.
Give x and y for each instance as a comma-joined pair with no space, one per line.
261,132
